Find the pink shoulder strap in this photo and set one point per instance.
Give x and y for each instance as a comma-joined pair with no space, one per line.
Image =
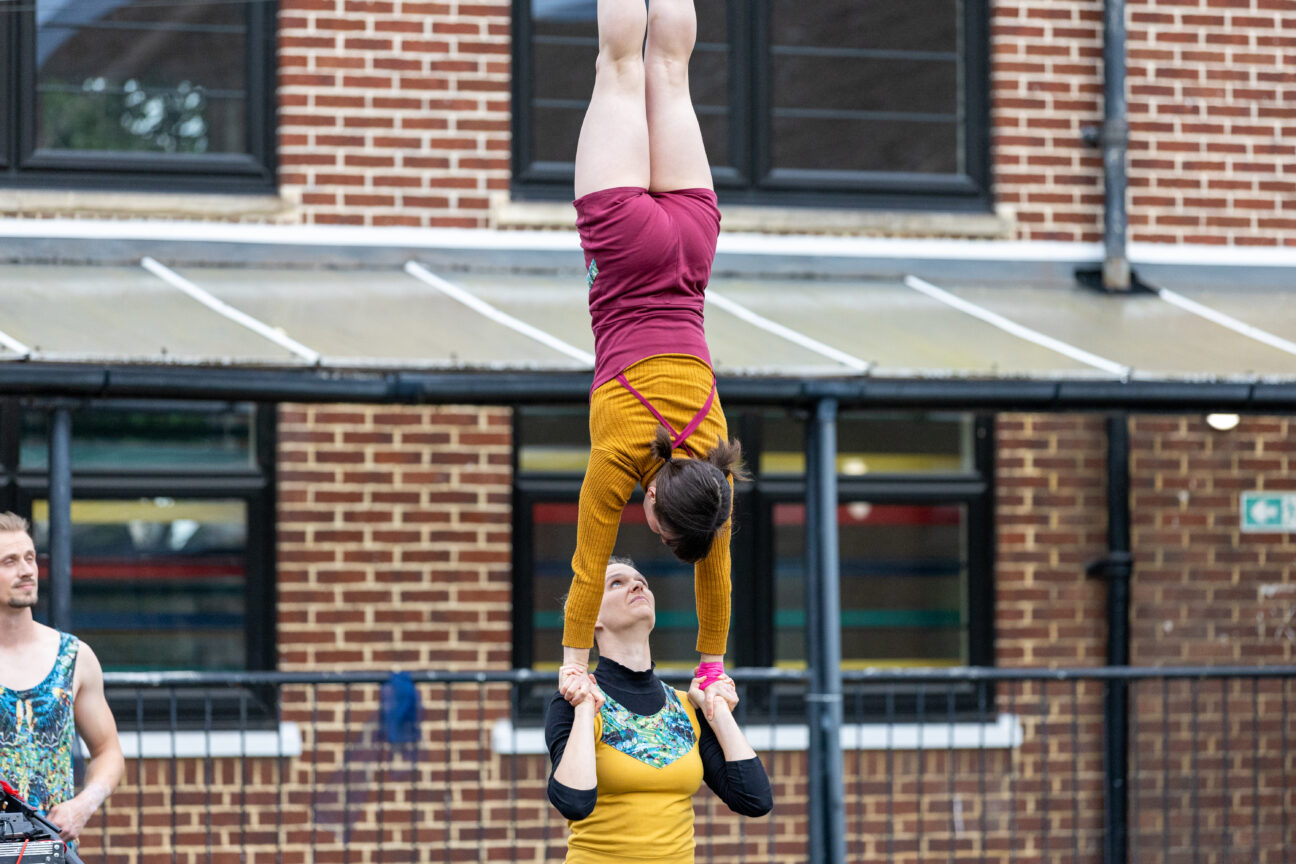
678,439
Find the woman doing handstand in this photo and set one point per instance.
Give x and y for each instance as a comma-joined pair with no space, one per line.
648,223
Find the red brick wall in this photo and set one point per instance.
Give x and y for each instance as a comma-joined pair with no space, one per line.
393,545
394,113
1051,519
1204,592
1211,119
397,113
394,537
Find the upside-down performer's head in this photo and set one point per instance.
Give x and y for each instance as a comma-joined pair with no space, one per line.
690,500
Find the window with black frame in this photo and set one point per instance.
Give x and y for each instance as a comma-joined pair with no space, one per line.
172,546
830,103
115,92
915,542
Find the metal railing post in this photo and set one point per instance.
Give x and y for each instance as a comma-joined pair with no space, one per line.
60,519
823,639
1119,567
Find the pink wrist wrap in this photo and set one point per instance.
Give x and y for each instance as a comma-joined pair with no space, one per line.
709,673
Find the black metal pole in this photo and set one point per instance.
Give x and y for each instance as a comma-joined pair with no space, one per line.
60,519
1119,567
823,639
1116,267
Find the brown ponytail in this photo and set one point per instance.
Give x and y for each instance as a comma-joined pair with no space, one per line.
727,456
662,445
695,496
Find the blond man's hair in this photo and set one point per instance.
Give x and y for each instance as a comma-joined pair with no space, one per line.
12,523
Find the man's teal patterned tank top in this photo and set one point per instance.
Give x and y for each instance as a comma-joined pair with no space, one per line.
37,732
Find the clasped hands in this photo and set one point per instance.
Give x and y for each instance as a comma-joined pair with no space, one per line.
578,686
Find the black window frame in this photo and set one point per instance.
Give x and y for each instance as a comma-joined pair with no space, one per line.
753,610
233,707
750,181
23,166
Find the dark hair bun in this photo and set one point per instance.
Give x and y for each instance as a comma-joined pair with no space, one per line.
695,496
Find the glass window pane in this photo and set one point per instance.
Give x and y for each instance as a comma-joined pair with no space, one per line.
135,75
904,86
158,583
866,87
849,144
564,49
874,443
124,439
553,440
903,584
674,639
905,25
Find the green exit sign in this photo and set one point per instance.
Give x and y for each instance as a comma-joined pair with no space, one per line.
1268,511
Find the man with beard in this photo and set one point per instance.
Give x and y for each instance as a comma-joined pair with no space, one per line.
51,689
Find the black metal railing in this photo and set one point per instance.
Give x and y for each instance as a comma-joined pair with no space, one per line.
1003,765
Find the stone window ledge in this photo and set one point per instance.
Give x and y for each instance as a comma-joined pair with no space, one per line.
226,743
509,214
1004,733
80,203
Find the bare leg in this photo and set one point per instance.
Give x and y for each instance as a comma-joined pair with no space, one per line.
675,147
613,146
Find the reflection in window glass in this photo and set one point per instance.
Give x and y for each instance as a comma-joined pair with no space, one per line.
553,440
158,583
866,87
141,76
674,640
564,46
116,439
903,584
874,444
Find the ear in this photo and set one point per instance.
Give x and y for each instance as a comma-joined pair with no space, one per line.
651,491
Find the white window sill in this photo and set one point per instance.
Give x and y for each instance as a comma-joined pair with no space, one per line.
1003,734
222,744
83,203
1000,225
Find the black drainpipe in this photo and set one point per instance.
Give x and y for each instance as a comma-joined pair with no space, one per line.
1117,568
1115,141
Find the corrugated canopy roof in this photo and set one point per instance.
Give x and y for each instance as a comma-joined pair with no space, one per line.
894,319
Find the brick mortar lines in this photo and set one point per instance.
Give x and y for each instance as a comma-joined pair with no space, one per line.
1051,204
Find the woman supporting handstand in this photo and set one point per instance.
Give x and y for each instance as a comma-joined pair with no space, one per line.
648,223
629,752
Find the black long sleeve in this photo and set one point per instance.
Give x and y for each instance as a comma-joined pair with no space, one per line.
743,785
573,804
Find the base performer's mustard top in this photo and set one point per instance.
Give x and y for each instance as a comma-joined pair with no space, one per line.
648,769
621,435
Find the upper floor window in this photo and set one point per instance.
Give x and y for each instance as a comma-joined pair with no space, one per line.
834,102
109,92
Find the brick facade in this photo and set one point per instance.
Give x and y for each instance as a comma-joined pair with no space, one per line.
394,537
1211,122
394,553
399,113
394,113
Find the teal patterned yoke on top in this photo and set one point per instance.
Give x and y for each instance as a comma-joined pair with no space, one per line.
654,739
37,731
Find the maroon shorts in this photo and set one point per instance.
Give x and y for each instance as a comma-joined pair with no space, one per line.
648,258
